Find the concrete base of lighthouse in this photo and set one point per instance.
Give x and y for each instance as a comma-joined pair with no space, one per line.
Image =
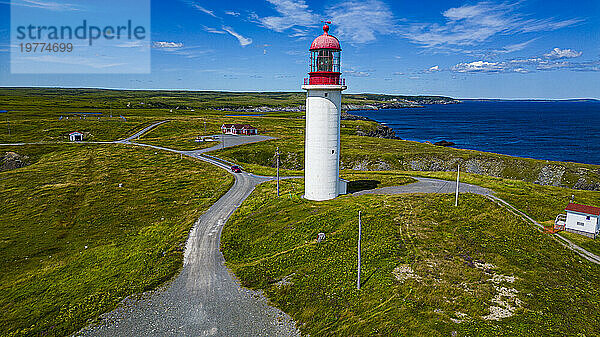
322,143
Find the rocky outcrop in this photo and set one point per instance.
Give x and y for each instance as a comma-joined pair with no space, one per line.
444,143
12,161
551,175
348,117
381,131
583,184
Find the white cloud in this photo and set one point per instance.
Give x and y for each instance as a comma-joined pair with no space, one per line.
291,13
214,30
558,53
178,48
434,69
202,9
557,59
232,13
354,21
165,44
300,33
473,24
244,41
478,67
586,66
354,73
360,21
514,47
550,65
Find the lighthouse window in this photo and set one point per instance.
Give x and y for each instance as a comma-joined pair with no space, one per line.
325,94
325,60
332,151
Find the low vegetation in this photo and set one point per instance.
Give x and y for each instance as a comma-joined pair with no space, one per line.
75,242
592,245
84,227
429,269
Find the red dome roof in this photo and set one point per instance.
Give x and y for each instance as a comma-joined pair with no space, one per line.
325,41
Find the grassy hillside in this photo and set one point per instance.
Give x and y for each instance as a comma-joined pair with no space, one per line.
74,243
429,269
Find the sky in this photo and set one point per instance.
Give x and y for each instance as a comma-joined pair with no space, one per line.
527,49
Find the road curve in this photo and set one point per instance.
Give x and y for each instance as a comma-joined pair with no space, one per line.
205,299
429,185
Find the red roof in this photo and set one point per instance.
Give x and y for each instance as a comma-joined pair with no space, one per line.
583,209
326,41
238,126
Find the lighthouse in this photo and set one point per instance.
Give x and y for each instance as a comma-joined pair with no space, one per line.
323,112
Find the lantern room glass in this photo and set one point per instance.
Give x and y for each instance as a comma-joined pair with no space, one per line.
325,60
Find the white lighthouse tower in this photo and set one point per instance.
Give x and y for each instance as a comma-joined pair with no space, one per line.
323,109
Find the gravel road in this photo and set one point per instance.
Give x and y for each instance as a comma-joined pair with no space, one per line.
428,185
205,299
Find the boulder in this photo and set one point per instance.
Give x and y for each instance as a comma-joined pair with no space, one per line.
444,143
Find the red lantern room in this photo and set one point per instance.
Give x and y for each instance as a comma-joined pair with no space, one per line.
325,60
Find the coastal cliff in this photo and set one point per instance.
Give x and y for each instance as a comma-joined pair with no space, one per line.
571,175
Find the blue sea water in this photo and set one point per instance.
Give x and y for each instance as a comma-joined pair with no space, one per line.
550,130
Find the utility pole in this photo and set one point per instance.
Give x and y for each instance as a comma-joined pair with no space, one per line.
205,127
278,171
457,183
359,234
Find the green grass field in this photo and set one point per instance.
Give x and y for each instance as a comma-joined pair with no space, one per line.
425,262
429,269
74,243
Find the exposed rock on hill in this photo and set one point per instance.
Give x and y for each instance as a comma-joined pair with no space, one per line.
12,160
381,131
444,143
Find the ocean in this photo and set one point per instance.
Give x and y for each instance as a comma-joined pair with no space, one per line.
549,130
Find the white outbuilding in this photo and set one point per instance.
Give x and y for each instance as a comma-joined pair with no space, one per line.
583,219
75,136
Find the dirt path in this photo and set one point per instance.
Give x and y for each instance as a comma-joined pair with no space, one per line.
205,299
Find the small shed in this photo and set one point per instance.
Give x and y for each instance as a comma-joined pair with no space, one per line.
75,136
583,219
238,129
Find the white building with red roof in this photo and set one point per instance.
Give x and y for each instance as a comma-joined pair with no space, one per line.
76,136
583,219
238,129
